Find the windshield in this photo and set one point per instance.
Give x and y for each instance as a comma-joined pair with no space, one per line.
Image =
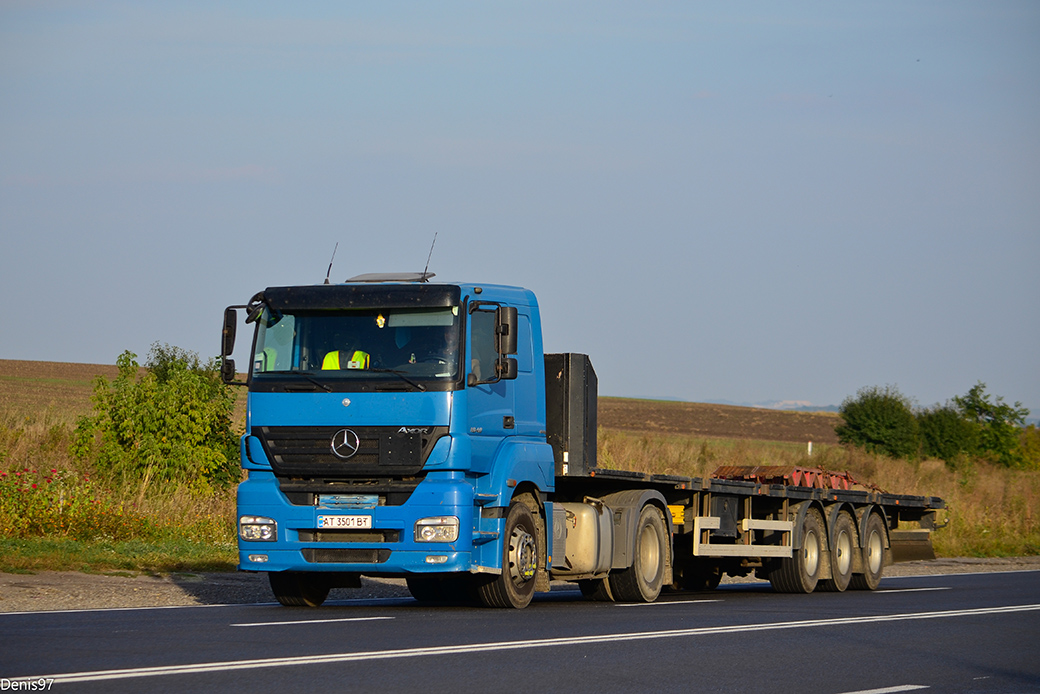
359,345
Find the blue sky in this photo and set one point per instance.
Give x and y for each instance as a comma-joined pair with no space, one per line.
716,201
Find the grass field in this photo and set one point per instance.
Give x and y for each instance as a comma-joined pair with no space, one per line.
56,513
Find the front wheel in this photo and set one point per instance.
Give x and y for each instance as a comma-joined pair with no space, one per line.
642,582
514,587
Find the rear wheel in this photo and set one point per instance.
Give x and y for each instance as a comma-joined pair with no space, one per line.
642,582
843,546
800,572
873,555
514,587
299,589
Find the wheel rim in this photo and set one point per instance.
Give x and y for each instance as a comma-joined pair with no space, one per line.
523,556
844,549
810,554
874,552
649,554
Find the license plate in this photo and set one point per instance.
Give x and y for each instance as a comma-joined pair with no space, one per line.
344,521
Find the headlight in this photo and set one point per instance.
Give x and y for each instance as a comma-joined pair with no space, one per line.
437,529
257,529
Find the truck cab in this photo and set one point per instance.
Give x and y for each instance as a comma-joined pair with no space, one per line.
395,427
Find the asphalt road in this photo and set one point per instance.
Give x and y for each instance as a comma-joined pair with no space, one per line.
950,633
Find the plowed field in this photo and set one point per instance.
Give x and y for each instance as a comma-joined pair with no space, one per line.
64,389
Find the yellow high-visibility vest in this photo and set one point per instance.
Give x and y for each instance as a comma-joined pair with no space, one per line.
358,360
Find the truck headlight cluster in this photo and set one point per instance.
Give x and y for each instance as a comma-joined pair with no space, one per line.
257,529
437,529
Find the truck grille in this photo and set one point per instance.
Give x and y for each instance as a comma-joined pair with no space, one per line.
380,536
345,556
387,451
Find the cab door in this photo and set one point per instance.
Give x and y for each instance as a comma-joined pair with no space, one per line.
492,411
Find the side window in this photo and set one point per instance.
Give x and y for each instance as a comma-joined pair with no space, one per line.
482,344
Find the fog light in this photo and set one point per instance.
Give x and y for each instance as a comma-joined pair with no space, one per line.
437,529
436,559
257,529
258,558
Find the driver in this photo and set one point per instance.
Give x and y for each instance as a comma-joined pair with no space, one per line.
345,359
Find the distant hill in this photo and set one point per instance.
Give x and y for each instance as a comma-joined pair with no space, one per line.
63,390
715,420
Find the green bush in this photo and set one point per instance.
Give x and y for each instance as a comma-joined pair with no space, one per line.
999,425
172,423
880,420
946,434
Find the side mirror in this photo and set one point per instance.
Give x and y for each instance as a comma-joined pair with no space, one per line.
227,371
506,368
227,342
505,330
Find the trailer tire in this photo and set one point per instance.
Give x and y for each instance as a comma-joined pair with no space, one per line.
294,589
873,555
843,546
642,582
800,572
514,587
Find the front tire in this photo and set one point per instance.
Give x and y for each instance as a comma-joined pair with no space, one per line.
294,589
514,587
642,582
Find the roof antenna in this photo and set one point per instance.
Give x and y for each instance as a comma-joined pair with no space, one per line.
330,262
424,273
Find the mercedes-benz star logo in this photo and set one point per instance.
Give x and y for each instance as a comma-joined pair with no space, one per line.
345,443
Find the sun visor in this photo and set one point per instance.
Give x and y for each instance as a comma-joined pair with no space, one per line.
346,296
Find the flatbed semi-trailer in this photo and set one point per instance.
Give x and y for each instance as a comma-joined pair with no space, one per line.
397,427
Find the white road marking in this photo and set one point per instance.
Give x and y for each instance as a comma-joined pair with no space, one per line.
231,665
911,590
891,690
309,621
663,602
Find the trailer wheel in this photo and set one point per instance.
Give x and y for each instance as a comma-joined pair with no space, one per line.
514,587
642,582
873,555
294,589
800,572
844,536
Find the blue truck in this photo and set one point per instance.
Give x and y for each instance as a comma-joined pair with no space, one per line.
399,427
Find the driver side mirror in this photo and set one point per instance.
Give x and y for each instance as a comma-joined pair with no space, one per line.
227,371
227,342
505,330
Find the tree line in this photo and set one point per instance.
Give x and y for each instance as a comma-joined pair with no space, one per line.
973,426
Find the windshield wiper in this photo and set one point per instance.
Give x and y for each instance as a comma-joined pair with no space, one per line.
317,383
398,372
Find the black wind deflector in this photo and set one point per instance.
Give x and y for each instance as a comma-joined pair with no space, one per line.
349,296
